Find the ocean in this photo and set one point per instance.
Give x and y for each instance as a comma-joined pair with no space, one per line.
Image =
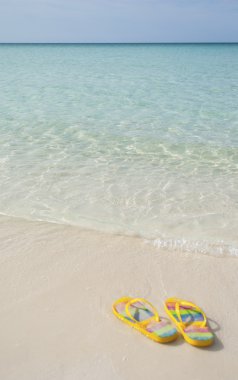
135,139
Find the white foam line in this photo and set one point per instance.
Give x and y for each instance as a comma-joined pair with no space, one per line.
219,248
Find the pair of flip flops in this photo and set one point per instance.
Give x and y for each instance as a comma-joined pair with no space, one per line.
188,318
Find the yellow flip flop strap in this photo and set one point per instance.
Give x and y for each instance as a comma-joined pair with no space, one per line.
155,317
195,307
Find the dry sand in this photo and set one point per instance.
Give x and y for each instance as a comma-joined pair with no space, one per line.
58,284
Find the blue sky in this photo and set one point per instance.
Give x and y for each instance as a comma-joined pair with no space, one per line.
118,20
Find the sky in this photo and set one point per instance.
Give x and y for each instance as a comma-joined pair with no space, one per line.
118,20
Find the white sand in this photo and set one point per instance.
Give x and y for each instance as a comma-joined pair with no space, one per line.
57,287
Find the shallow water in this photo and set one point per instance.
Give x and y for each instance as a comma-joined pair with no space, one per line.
136,139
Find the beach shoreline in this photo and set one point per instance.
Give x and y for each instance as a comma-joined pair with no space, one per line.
57,287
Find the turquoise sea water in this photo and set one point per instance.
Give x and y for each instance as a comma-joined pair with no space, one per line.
136,139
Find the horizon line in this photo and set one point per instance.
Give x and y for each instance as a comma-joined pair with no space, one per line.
115,43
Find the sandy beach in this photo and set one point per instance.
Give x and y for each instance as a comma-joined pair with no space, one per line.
57,287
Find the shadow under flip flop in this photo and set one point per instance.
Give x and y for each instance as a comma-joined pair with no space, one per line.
217,345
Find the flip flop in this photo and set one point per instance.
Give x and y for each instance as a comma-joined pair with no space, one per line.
141,314
190,320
